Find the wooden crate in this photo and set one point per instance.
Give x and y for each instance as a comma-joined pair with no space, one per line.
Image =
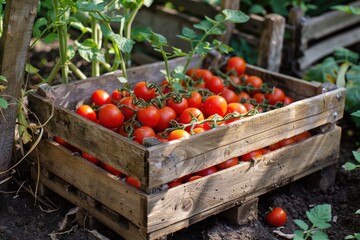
154,212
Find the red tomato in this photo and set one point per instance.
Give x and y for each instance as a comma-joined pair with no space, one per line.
197,130
90,158
166,115
110,116
255,82
191,114
229,95
236,64
248,106
235,81
274,146
195,100
148,116
228,163
198,74
249,156
133,182
110,169
206,171
277,95
142,91
286,142
243,97
128,108
288,100
302,136
143,132
235,108
192,178
178,107
265,151
65,144
215,105
87,112
174,184
100,97
215,84
178,134
276,217
259,97
116,96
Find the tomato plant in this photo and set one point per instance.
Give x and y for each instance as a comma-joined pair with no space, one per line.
276,217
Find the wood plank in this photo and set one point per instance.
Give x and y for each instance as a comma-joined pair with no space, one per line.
326,47
15,41
125,229
175,159
196,8
248,178
327,23
93,181
271,42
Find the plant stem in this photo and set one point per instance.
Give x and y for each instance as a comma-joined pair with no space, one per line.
77,71
95,68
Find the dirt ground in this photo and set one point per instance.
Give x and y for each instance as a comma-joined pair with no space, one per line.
21,218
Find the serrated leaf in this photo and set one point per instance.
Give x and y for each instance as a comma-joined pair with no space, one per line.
179,76
40,22
3,103
189,33
203,49
90,7
320,215
319,235
356,156
349,166
203,25
217,31
124,44
298,235
301,224
50,38
235,16
122,79
70,53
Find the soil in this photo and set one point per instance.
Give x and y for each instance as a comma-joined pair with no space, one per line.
23,218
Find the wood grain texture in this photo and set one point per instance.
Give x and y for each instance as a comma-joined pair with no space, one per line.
93,181
15,41
248,178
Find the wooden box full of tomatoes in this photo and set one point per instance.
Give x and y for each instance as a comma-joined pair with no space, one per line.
167,185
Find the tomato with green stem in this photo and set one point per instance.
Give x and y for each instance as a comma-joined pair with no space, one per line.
110,116
194,100
178,134
128,107
237,64
277,95
142,91
143,132
276,217
191,115
215,84
100,97
229,95
87,112
148,116
178,106
166,115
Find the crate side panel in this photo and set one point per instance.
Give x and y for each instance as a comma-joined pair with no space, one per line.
192,198
106,145
93,181
175,159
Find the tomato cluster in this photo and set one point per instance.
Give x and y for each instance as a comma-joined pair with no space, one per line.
201,101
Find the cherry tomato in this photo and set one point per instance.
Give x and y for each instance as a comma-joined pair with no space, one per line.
87,112
148,116
199,73
277,95
288,100
198,130
287,141
143,132
174,184
265,151
255,82
248,106
192,178
141,90
212,124
215,105
228,163
249,156
235,81
243,97
236,63
229,95
276,217
116,96
191,114
110,116
110,169
100,97
178,107
133,182
235,108
166,115
65,144
206,171
259,97
215,84
128,108
302,136
274,146
178,134
195,100
90,158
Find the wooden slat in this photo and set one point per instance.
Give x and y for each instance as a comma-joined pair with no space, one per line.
175,159
93,181
248,178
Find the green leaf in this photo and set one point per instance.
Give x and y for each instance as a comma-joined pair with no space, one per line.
217,30
346,55
203,49
30,68
90,7
40,22
323,72
148,3
298,235
50,38
353,76
352,100
320,215
70,53
137,33
203,25
347,9
3,78
124,44
257,9
349,166
86,49
301,224
235,16
3,103
357,211
319,235
356,154
189,33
